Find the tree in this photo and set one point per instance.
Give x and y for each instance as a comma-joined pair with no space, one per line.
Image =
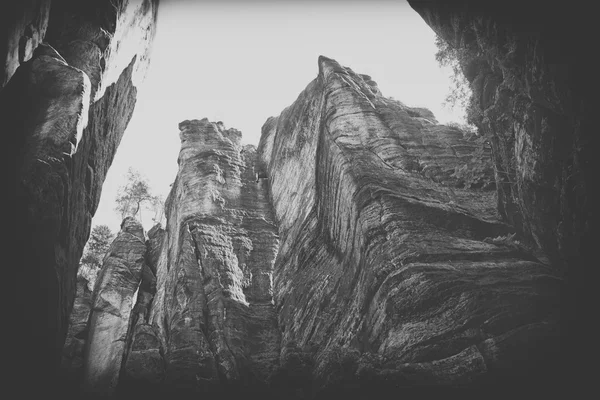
158,207
93,254
133,195
100,239
454,57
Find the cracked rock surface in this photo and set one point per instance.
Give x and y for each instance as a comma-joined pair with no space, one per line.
383,266
69,84
344,256
112,304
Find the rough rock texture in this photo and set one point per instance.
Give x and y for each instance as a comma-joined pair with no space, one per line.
390,275
144,358
214,308
113,301
526,64
73,350
204,318
437,152
382,275
121,309
64,110
23,26
529,65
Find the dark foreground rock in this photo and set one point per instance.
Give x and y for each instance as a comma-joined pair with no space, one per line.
527,65
73,351
69,83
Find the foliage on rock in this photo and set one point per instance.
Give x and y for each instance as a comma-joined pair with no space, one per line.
134,195
475,174
94,252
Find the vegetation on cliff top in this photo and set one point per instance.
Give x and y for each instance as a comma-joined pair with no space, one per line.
93,254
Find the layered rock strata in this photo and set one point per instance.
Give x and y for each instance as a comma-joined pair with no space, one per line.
65,105
204,318
113,307
110,339
526,64
345,256
384,274
530,70
214,307
144,360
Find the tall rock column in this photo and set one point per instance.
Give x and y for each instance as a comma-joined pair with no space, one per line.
214,303
114,297
144,363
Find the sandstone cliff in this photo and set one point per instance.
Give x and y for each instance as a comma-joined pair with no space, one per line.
342,257
214,309
529,66
73,351
383,267
112,307
69,86
526,64
388,272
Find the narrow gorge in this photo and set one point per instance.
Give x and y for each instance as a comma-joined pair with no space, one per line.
341,256
361,248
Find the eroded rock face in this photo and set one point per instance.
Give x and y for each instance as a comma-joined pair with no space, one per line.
383,273
390,274
24,24
65,109
144,355
214,307
530,70
73,350
113,301
527,66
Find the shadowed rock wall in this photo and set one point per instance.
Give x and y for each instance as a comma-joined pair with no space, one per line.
65,103
529,65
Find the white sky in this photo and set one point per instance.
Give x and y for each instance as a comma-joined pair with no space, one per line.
242,62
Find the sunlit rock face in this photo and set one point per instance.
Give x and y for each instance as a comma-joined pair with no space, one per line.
112,304
345,256
144,361
386,275
202,318
110,339
66,100
214,304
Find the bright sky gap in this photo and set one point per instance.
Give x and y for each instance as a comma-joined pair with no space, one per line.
241,63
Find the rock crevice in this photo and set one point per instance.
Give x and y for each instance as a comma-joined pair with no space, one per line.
65,102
